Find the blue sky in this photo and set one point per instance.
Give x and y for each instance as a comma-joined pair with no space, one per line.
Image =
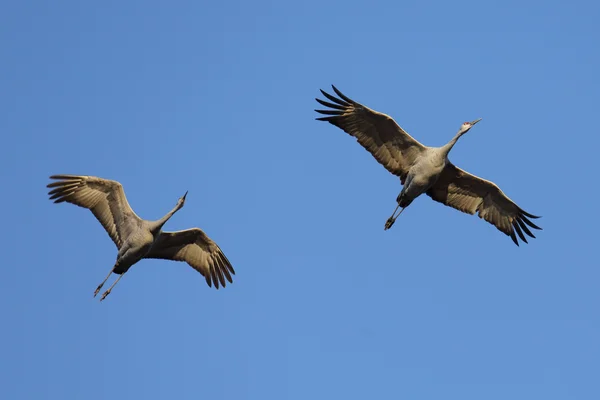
217,98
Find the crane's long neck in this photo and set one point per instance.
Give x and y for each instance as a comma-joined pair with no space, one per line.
448,146
157,225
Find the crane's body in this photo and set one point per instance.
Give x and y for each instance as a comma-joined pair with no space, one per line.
141,237
135,247
422,175
424,169
137,238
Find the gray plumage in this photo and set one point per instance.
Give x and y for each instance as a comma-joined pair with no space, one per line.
136,238
424,169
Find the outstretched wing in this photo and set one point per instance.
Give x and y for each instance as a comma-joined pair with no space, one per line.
103,197
470,194
198,250
378,133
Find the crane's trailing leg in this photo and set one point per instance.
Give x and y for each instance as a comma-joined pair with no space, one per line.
392,219
402,203
112,286
103,282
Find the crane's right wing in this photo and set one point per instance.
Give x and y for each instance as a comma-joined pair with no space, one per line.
103,197
471,194
198,250
378,133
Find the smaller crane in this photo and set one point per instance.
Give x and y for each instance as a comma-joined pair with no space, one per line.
424,169
137,238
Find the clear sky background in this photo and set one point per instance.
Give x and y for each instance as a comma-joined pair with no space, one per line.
217,98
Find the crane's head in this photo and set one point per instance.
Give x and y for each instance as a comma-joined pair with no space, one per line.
468,125
181,200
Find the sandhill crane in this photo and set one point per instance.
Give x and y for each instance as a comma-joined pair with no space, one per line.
424,169
136,238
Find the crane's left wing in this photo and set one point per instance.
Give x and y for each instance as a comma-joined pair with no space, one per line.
198,250
105,198
470,194
378,133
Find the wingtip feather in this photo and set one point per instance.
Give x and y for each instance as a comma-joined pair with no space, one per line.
514,237
519,232
529,215
342,96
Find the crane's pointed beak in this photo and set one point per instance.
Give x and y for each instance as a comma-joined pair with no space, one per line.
476,121
183,198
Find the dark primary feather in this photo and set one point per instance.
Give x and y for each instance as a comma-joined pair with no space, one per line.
470,194
105,198
378,133
198,250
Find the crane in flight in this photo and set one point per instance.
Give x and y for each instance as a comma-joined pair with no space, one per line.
424,169
137,238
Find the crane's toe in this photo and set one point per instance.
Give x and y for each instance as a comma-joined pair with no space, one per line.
105,294
389,223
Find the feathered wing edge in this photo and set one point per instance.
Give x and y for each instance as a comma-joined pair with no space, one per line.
200,252
378,133
105,198
470,194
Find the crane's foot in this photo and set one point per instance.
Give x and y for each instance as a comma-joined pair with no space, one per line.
105,294
389,223
98,289
392,219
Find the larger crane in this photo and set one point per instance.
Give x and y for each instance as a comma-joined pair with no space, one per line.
424,169
137,238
